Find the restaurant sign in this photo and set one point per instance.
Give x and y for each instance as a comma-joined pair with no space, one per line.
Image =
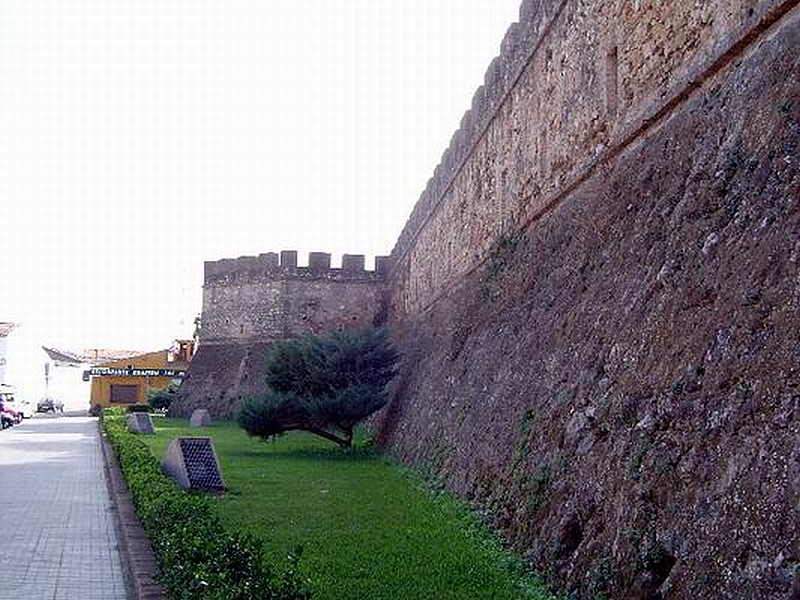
132,372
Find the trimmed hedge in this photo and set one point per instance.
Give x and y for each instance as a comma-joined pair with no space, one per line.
197,556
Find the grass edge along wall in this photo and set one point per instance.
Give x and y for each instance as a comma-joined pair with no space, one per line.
369,527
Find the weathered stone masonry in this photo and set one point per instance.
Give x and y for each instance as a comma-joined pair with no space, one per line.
250,302
597,300
577,81
597,297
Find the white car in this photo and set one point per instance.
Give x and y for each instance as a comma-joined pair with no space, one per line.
23,407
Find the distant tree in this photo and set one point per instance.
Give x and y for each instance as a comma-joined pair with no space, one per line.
161,399
322,384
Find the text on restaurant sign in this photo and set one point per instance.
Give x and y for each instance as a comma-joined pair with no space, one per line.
116,372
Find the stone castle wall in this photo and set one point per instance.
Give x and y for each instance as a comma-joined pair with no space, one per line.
597,299
252,298
575,83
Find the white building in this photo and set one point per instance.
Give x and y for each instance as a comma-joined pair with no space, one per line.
22,363
65,380
36,372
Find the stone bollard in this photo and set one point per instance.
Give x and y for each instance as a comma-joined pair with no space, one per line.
192,463
200,418
140,423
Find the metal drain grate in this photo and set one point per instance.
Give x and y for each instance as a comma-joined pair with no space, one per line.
202,468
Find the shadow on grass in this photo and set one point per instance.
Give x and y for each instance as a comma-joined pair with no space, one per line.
324,454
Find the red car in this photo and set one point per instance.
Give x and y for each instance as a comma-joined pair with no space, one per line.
8,417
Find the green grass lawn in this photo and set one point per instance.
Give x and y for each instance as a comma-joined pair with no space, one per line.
370,530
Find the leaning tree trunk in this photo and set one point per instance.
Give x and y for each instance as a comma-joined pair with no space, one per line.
344,442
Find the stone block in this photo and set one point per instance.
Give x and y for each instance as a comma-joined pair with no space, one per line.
353,263
269,260
192,463
200,418
140,423
289,259
319,261
383,264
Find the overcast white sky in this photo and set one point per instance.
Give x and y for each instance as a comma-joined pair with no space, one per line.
139,138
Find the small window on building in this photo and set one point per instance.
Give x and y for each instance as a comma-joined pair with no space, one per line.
124,394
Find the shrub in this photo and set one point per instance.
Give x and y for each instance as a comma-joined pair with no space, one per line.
161,399
138,408
324,385
198,557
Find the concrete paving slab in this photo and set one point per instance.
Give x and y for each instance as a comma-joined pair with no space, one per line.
58,535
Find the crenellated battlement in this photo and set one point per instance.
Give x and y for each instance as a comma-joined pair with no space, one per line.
275,267
522,39
268,297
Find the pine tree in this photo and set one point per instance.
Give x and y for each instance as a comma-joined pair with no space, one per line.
323,384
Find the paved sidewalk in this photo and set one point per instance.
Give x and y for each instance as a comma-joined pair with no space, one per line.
58,536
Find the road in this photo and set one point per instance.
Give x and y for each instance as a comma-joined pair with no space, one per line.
58,535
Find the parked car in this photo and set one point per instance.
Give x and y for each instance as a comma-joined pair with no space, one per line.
9,410
23,407
50,405
8,416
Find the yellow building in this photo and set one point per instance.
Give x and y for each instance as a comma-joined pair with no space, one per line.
127,381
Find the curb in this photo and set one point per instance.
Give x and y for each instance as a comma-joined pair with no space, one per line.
139,563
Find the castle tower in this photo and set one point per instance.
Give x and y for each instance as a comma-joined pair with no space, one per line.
252,301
